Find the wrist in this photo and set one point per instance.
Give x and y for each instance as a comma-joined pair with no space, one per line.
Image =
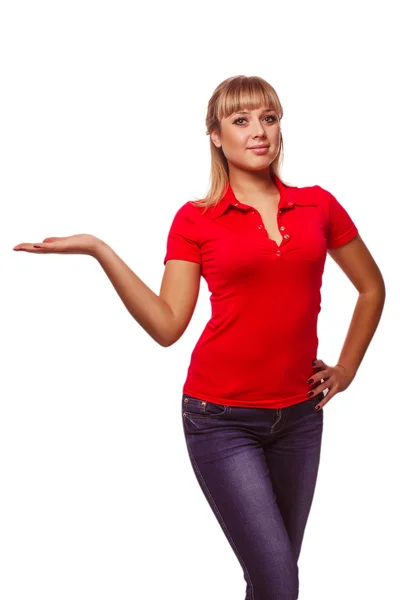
98,247
347,370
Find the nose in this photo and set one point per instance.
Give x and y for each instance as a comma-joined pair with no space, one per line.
257,130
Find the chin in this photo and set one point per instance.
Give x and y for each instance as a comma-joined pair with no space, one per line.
259,166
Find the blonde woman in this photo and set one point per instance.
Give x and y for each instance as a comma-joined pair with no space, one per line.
252,402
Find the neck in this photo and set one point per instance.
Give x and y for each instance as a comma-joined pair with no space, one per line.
251,184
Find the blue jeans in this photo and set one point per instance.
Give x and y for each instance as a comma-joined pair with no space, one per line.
257,468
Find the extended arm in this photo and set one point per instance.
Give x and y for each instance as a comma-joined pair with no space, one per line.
166,316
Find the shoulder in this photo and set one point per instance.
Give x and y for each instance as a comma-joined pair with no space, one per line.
186,211
319,197
185,218
189,208
314,192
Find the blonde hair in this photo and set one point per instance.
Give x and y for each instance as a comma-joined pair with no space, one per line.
234,94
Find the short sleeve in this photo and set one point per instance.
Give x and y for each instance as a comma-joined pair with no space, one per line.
340,227
182,243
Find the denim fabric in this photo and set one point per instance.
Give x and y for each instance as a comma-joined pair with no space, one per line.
257,468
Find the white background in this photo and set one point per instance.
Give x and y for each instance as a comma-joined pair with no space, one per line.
102,131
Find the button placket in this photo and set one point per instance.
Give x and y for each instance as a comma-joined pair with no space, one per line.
282,228
286,236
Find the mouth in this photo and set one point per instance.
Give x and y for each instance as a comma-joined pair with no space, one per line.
258,147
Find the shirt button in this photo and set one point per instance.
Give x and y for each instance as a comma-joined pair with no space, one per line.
260,227
290,203
279,211
237,204
282,228
286,236
278,252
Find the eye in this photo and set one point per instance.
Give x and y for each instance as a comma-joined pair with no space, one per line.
244,119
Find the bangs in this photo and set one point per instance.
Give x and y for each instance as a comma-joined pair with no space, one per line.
247,93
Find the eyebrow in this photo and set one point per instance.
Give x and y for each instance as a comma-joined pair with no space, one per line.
246,112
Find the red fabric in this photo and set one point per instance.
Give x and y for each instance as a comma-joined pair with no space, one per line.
258,346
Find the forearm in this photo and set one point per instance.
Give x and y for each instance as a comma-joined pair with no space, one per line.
146,307
365,320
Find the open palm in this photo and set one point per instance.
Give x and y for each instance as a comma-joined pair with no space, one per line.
81,243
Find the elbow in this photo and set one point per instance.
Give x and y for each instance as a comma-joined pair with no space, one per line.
378,291
375,296
375,287
171,332
167,340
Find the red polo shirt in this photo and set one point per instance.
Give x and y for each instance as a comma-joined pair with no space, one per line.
258,346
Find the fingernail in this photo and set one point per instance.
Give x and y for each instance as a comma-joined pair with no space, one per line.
317,407
311,381
310,393
314,362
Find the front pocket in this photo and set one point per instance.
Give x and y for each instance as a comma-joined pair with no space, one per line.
202,408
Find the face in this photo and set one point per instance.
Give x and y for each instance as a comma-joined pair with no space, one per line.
242,130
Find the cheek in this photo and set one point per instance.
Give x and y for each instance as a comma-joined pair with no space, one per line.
238,143
235,147
277,138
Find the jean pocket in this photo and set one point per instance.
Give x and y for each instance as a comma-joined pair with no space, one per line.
202,409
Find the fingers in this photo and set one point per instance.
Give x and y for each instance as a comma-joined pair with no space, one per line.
318,375
317,379
318,363
322,403
47,247
321,382
27,247
30,247
317,390
36,247
328,395
319,371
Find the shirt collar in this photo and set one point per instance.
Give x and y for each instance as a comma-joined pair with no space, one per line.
289,196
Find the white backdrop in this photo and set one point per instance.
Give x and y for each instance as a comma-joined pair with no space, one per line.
102,114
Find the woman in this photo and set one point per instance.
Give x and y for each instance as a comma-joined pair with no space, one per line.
252,403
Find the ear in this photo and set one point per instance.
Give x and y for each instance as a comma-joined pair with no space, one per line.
216,139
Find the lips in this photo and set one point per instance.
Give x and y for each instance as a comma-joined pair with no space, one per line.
262,146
